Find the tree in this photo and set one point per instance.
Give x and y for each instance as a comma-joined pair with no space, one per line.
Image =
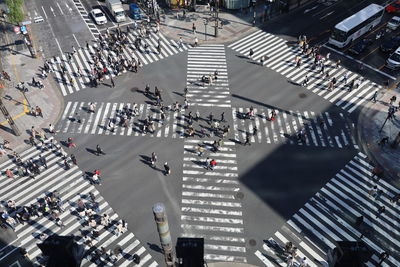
16,11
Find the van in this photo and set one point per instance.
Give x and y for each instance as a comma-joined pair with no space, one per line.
393,62
135,11
116,9
394,23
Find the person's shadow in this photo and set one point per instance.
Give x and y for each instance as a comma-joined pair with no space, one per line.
154,247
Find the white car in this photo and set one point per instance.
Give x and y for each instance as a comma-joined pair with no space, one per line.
98,16
393,62
394,23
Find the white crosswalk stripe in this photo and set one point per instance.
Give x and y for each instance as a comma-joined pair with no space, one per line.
331,214
83,60
325,129
211,204
98,122
280,56
206,60
71,185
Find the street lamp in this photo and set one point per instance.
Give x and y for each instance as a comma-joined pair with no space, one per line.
216,18
205,21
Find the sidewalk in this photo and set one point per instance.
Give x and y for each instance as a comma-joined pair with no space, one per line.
233,24
17,62
370,122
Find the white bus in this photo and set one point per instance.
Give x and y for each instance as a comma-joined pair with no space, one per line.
356,25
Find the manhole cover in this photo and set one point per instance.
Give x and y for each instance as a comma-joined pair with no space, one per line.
252,242
302,95
239,195
23,64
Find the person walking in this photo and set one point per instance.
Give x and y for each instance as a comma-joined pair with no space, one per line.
180,42
303,262
247,142
99,151
196,41
43,161
200,150
194,28
373,98
73,159
167,169
381,210
305,81
112,82
383,256
213,163
153,159
345,77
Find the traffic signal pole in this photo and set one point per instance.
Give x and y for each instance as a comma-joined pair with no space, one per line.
163,231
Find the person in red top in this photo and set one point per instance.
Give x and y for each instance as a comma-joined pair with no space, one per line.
213,163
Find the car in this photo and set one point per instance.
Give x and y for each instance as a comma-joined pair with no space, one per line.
391,44
359,47
393,23
393,8
98,16
393,62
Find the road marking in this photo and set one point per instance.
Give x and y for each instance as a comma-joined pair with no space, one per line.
52,10
328,14
360,62
44,12
62,13
26,111
76,40
59,47
70,9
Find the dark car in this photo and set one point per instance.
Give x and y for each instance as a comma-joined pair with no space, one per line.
393,8
359,47
391,44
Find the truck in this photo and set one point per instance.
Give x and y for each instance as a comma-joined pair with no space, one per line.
116,9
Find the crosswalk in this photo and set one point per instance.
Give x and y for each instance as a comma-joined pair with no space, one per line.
71,186
211,203
330,216
205,60
83,59
321,130
86,18
281,58
98,123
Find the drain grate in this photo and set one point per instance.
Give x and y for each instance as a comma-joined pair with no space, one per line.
252,242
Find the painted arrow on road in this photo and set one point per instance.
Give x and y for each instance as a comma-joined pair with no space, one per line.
310,9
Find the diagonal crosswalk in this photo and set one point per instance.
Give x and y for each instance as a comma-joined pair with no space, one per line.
280,57
78,69
211,203
172,125
331,214
72,186
206,60
321,130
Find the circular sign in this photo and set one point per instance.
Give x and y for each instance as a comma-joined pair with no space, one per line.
17,29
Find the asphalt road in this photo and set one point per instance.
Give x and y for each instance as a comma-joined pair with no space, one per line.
132,187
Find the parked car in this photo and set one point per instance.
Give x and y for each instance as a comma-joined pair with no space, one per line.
98,16
393,8
393,23
393,62
391,44
359,47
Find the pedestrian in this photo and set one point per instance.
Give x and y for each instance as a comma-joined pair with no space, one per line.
51,129
222,117
194,28
77,117
9,173
38,111
167,169
345,77
251,53
247,142
73,159
305,81
112,82
383,256
43,161
289,261
255,130
383,141
380,211
211,118
200,150
213,163
373,98
73,50
392,100
196,41
337,64
180,42
303,262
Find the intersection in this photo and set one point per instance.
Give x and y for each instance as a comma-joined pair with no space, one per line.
281,186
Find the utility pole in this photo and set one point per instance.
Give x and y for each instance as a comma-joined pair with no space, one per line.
205,21
216,18
163,231
9,119
388,116
28,42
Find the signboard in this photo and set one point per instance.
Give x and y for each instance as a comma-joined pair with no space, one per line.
23,28
17,30
26,22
